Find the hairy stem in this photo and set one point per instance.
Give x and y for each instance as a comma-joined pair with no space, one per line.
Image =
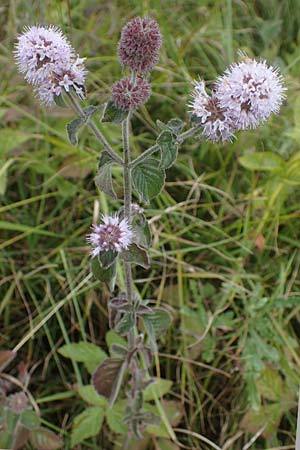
77,108
180,138
127,210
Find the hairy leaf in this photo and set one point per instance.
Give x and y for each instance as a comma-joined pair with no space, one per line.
113,114
106,275
168,148
73,130
148,179
125,324
136,255
106,378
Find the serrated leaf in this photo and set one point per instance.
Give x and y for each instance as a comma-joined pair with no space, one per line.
106,377
168,148
115,417
155,324
44,439
87,424
73,130
30,419
136,255
90,354
148,179
157,389
113,114
142,233
89,394
103,179
268,161
106,275
125,324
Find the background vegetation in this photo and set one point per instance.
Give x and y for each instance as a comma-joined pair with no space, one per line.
226,228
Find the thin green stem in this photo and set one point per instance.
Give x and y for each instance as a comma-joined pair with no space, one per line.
77,108
155,148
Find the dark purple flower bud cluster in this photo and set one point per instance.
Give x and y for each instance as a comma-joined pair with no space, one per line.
138,50
140,44
128,94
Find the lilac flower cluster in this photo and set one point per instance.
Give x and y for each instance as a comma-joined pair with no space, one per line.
245,96
113,234
138,49
49,62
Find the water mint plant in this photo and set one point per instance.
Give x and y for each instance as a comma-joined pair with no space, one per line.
242,98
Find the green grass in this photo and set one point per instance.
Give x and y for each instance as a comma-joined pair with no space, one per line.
233,350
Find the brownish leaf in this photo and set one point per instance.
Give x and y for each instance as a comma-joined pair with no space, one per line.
104,377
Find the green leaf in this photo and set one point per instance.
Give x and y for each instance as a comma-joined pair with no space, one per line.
174,412
11,138
103,179
157,389
107,258
148,179
268,161
106,275
115,417
155,324
113,114
112,338
87,424
268,415
30,419
270,384
175,125
89,394
142,232
73,130
168,148
166,444
136,255
90,354
89,111
44,439
125,324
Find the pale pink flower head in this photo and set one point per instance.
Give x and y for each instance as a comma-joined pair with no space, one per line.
48,61
251,91
72,75
140,44
113,234
39,50
216,121
127,94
